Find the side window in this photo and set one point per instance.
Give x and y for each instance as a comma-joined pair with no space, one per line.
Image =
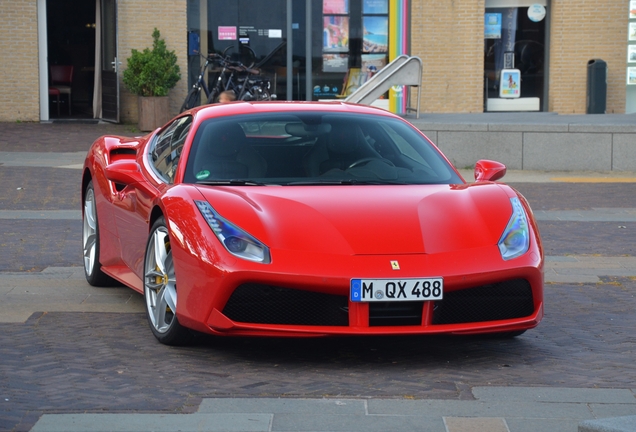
166,150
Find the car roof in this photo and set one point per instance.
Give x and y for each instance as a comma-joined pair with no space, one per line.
244,107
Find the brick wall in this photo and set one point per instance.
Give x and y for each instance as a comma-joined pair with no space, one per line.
137,19
19,91
448,36
582,30
19,87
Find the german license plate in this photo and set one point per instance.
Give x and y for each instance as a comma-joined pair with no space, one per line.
394,290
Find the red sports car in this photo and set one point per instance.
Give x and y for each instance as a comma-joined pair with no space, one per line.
307,219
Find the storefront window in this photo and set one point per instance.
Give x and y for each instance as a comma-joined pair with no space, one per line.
514,75
349,42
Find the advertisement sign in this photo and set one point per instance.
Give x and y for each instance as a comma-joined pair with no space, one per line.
631,75
372,63
375,6
335,34
492,26
335,62
510,83
536,12
631,53
227,33
376,34
335,6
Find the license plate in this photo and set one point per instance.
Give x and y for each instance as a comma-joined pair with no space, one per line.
393,290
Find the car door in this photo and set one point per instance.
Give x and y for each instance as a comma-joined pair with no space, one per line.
135,202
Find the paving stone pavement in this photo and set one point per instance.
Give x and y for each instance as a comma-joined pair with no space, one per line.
74,357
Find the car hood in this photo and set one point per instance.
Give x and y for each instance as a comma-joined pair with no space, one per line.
365,220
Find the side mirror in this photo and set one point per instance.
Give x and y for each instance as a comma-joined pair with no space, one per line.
487,170
125,172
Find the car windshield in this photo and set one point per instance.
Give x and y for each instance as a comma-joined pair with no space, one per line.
304,148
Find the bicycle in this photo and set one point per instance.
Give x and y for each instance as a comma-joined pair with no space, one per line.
194,95
244,87
246,83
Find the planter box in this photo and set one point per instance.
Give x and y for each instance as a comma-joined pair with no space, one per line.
153,112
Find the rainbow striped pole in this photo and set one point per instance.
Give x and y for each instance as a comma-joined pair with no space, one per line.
399,34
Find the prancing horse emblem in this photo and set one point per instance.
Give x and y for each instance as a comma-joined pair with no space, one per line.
395,265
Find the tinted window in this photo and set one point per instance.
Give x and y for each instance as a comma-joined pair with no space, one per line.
166,150
314,147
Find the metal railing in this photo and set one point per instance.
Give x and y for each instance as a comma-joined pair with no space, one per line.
403,70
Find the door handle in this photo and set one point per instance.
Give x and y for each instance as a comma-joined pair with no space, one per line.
115,64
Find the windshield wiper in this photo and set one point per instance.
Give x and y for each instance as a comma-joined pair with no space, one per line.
230,182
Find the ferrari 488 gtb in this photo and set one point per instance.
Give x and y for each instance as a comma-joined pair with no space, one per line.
307,219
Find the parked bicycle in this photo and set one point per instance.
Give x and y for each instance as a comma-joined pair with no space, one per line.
194,95
245,82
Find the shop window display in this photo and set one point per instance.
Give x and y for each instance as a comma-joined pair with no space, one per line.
514,39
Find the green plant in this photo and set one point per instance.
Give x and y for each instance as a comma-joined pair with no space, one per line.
152,72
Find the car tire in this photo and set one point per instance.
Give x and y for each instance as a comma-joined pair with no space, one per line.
91,242
160,288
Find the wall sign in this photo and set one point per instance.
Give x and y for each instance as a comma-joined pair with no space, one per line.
227,32
536,12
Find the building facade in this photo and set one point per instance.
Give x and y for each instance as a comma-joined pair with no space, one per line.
477,55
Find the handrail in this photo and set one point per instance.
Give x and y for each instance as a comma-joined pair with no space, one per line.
403,70
371,82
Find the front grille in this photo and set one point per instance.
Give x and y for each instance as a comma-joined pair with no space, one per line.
504,300
267,304
395,313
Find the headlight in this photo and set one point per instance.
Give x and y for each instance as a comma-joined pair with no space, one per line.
235,240
515,240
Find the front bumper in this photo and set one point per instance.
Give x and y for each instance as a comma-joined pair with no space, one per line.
310,297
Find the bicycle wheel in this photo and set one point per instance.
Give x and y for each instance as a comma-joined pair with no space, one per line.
191,100
264,95
257,93
214,96
245,55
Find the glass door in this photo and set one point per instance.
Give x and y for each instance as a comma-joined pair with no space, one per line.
110,63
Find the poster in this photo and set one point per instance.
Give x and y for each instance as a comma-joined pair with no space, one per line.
335,34
335,6
510,85
631,75
492,26
354,79
372,63
631,53
632,9
335,62
375,6
632,31
376,34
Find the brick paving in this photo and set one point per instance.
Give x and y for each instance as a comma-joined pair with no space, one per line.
32,245
39,188
105,362
577,196
57,137
102,362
